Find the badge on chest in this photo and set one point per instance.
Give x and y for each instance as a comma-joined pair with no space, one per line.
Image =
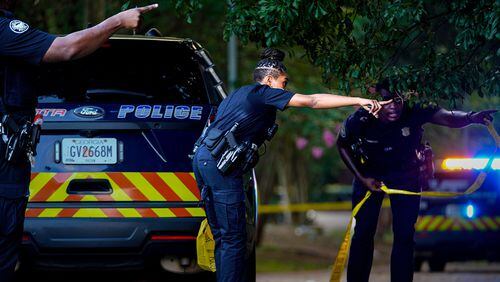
405,131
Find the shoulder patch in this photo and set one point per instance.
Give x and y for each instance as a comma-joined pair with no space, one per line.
18,26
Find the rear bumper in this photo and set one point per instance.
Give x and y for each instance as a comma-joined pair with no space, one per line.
108,243
458,245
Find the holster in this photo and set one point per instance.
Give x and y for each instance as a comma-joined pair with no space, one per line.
230,154
426,164
22,139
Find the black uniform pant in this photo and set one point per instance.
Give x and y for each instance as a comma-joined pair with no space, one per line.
224,200
404,211
11,233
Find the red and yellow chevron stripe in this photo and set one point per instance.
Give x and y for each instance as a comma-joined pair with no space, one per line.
126,187
439,223
114,212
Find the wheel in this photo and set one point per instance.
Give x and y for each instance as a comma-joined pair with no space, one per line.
437,265
250,267
25,272
417,264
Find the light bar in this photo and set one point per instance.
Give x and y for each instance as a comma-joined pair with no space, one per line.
469,163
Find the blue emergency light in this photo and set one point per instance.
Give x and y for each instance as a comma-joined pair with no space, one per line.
470,211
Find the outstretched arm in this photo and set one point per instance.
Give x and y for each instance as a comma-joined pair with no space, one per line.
457,119
329,101
81,43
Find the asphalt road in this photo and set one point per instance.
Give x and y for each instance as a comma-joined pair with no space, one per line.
108,276
455,272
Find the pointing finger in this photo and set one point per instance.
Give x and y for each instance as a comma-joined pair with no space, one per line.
148,8
371,108
385,102
377,107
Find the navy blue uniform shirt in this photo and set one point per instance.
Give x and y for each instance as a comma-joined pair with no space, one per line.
21,51
22,48
253,107
389,148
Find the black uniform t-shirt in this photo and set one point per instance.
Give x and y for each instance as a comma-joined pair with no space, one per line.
22,48
21,51
388,149
253,107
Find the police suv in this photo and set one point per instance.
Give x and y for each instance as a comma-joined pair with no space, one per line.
112,184
461,228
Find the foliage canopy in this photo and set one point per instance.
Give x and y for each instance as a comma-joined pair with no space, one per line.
444,50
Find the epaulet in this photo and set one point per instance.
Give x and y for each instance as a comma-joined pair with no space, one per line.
361,115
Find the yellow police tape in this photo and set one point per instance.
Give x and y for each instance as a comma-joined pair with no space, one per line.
304,207
341,259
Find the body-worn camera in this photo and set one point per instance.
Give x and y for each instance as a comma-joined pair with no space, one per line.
271,131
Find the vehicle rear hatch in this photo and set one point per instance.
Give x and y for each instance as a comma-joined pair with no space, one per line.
119,127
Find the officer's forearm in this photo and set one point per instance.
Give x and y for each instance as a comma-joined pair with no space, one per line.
346,157
81,43
328,101
454,119
323,101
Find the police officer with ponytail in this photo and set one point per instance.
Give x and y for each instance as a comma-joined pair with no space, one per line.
228,149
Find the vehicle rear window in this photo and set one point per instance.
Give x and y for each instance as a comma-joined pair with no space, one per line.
128,71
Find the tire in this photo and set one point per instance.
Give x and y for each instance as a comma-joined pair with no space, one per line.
417,264
251,267
437,265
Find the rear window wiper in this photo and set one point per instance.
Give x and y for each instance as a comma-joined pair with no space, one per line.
102,93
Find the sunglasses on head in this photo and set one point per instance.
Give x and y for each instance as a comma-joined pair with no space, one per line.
396,98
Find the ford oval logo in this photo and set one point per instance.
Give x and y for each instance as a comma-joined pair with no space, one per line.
89,112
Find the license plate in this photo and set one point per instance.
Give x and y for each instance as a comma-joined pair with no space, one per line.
89,151
453,210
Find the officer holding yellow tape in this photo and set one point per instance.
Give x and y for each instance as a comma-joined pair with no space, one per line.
387,152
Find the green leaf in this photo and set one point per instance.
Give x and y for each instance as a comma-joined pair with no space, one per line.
125,6
355,74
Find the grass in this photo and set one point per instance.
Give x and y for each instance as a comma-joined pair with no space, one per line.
273,259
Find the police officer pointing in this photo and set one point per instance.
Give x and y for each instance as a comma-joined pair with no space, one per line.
22,49
228,149
388,150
